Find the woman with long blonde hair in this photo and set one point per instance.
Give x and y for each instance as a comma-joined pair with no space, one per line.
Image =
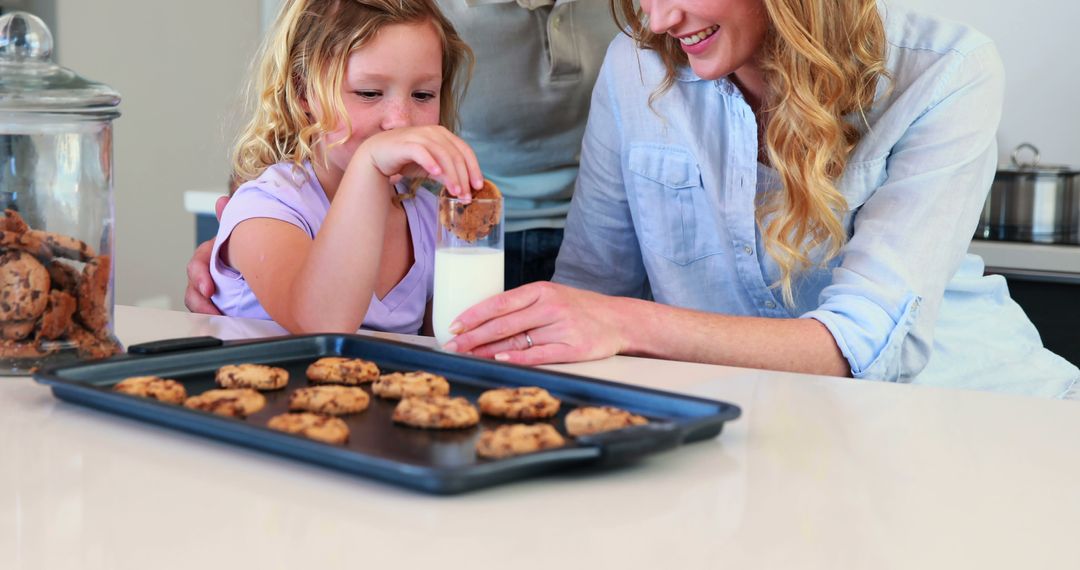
783,184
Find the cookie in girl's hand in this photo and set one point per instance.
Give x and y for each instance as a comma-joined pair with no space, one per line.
476,219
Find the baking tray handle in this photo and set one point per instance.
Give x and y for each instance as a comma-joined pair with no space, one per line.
175,345
633,442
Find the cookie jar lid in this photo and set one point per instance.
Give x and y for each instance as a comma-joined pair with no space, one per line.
31,83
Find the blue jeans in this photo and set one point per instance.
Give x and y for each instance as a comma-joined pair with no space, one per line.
530,255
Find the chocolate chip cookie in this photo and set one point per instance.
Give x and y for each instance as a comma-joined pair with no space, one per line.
330,400
338,370
91,292
590,420
16,330
397,385
326,429
56,320
153,387
257,376
525,403
24,286
476,219
235,402
436,412
518,439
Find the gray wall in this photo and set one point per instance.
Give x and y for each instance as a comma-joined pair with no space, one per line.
180,65
1039,44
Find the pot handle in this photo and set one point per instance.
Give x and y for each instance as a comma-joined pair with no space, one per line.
1035,164
1016,156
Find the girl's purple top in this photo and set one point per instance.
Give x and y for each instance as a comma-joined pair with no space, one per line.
290,194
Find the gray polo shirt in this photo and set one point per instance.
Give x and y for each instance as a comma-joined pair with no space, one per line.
524,113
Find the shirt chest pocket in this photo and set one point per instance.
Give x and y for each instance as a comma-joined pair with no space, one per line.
672,215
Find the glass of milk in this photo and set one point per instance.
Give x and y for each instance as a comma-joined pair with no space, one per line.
468,258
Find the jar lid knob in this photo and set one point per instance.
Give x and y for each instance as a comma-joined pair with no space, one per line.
30,83
23,36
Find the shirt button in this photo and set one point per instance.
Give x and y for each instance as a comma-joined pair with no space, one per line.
770,305
749,250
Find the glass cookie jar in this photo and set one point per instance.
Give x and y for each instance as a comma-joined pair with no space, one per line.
56,232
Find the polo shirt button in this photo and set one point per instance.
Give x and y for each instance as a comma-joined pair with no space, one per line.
770,305
749,250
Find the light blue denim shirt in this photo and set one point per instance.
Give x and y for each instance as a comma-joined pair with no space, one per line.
664,208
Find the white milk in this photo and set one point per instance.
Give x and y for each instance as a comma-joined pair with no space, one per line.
463,277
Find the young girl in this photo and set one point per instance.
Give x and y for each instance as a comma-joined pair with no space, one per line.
354,99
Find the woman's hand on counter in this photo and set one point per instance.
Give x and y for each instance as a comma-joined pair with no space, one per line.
563,324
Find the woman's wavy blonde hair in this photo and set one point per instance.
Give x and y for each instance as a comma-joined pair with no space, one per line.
304,58
822,60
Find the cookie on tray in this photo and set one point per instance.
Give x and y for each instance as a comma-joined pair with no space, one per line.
326,429
397,385
234,402
591,420
330,400
257,376
339,370
525,403
153,387
518,439
436,412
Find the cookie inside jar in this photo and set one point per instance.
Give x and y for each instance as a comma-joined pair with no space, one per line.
53,297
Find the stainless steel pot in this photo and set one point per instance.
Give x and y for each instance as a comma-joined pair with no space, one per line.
1032,202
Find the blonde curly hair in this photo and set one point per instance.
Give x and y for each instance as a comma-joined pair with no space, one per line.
304,58
822,61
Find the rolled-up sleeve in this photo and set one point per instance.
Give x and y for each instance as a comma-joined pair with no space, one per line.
911,234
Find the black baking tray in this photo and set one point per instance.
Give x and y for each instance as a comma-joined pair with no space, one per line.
436,461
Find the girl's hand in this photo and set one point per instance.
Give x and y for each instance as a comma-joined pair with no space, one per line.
563,323
429,152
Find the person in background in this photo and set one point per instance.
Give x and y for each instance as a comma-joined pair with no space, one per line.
523,115
355,100
788,185
526,109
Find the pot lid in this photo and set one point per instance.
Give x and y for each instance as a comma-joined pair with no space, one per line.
31,83
1031,164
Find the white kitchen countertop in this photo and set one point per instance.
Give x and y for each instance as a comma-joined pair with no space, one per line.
1005,255
817,473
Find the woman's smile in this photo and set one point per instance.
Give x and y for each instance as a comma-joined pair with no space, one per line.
699,41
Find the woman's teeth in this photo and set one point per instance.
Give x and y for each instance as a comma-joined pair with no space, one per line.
691,40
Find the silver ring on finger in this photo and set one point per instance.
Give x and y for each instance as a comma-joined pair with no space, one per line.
528,340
